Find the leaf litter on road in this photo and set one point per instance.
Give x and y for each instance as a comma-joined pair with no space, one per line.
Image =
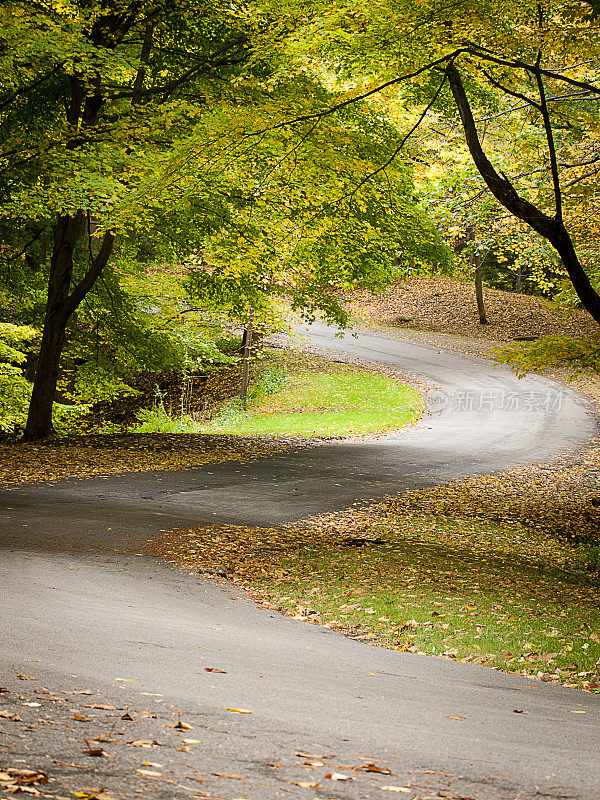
99,455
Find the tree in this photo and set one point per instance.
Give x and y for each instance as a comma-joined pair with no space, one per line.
155,120
14,389
468,217
479,55
96,108
552,227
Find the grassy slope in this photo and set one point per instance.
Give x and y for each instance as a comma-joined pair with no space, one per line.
321,398
473,590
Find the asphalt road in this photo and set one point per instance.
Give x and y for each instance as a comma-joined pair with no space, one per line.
79,615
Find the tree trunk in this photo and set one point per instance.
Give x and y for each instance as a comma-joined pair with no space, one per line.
519,279
39,421
61,303
479,290
246,358
561,241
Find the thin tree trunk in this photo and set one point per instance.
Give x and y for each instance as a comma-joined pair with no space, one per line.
246,358
519,279
479,290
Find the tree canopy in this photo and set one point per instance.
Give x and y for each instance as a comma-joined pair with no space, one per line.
272,149
132,124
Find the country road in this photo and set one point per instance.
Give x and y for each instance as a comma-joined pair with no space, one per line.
81,612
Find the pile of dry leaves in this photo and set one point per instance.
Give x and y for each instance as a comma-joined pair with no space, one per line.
19,780
87,456
446,305
562,499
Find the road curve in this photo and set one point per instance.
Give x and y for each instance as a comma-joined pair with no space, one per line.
138,634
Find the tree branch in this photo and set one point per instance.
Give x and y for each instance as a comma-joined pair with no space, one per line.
487,55
144,59
42,79
339,106
551,147
500,187
84,285
527,100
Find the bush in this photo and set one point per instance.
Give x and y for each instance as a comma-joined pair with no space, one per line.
15,391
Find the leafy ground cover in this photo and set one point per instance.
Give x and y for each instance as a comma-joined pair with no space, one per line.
301,395
446,305
474,571
87,456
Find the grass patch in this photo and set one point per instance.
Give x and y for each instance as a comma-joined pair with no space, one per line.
313,397
490,593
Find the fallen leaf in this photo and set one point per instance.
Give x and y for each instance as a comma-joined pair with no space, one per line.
23,776
180,726
26,677
453,716
150,773
374,768
144,743
101,706
127,716
97,752
239,710
10,716
398,789
80,717
305,784
226,775
338,776
214,669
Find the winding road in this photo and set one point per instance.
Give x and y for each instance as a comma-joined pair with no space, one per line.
82,613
